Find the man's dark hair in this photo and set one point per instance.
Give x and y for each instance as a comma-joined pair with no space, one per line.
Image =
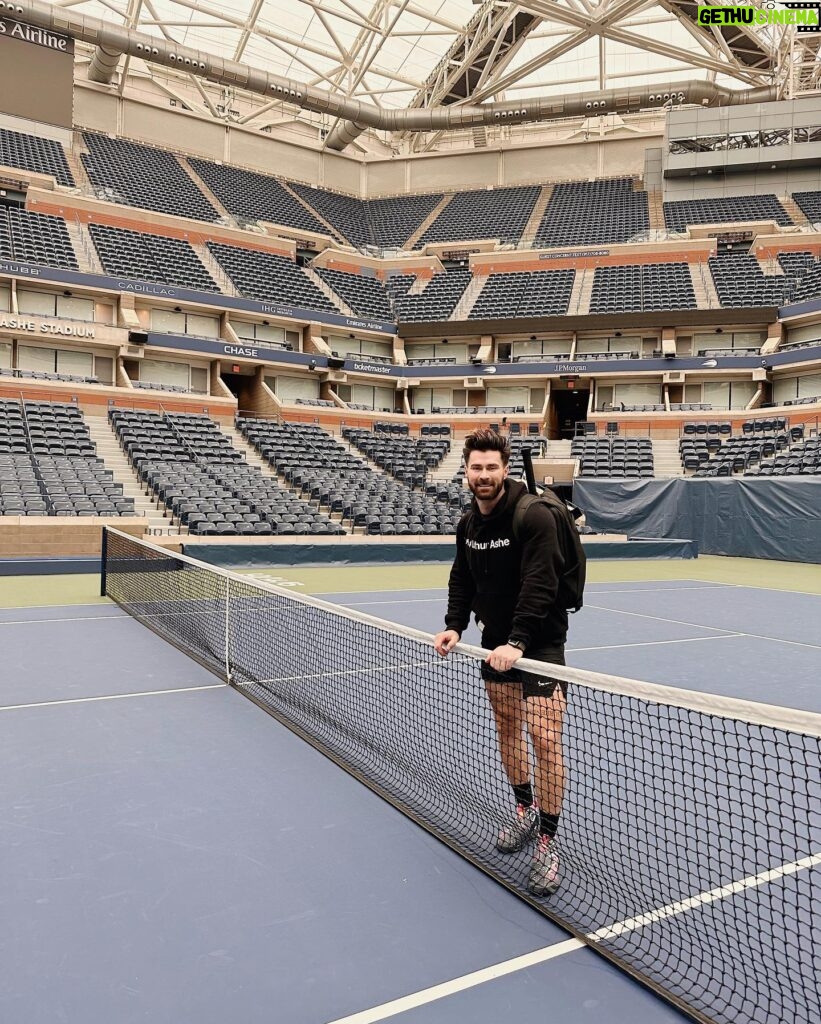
485,440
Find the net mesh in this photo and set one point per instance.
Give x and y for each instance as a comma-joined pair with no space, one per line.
690,836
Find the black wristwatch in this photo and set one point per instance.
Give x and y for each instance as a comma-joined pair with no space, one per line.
518,644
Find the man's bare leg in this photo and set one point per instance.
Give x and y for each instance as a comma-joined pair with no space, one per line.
509,710
544,722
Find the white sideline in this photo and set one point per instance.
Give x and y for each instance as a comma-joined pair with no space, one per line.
698,625
109,696
75,618
538,956
448,988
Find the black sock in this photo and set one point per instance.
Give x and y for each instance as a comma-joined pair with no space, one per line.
524,794
548,824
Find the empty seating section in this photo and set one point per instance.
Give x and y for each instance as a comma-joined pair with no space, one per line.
344,213
328,472
640,288
150,385
405,458
68,378
490,213
593,213
809,203
365,295
796,264
49,465
35,238
150,258
808,286
436,301
251,197
740,281
807,400
370,223
727,210
194,470
801,459
399,284
539,293
483,410
392,221
269,278
322,403
30,153
614,456
151,179
765,447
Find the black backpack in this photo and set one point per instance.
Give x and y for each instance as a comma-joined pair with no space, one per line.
571,584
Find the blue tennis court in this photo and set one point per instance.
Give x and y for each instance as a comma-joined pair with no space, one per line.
173,853
746,642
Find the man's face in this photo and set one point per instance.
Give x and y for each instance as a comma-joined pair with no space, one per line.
485,473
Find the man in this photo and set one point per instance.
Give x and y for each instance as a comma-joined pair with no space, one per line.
511,583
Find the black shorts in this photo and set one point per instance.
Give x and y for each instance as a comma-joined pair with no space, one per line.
532,685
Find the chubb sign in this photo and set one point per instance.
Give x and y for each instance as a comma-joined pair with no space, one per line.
794,14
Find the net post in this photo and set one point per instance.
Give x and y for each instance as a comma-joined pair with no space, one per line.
104,562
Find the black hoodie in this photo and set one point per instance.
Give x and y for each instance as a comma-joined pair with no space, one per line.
511,584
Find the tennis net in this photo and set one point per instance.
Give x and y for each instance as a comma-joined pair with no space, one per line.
690,834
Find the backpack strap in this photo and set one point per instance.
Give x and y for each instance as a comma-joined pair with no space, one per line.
519,513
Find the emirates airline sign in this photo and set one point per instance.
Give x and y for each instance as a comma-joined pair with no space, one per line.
38,36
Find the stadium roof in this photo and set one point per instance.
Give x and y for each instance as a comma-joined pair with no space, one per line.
400,54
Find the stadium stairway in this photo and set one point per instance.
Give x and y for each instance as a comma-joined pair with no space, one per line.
469,297
581,293
206,191
328,292
426,223
332,231
224,282
666,457
449,466
76,165
253,458
704,287
87,258
655,209
794,211
109,450
535,218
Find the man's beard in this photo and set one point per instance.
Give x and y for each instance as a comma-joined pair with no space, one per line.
488,493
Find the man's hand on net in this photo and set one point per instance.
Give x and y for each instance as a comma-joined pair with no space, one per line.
445,642
503,658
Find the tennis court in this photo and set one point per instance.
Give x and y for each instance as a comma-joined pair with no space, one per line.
176,854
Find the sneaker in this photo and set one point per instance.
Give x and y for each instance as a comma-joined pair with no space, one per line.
523,829
544,872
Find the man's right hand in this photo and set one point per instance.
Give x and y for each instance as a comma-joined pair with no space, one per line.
445,642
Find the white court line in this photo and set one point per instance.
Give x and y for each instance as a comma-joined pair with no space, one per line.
598,593
110,696
701,625
448,988
719,893
75,618
467,981
653,643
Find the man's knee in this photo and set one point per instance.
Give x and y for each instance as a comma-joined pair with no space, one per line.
545,722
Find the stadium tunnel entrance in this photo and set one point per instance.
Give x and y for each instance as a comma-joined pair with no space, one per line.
568,406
